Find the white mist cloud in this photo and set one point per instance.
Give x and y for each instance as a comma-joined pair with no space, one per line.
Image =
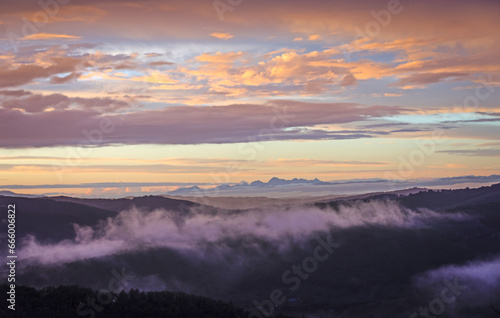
136,230
482,279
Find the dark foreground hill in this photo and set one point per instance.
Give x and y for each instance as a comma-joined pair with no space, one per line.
439,200
52,218
116,205
74,301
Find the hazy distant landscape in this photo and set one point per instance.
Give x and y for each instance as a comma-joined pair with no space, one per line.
392,252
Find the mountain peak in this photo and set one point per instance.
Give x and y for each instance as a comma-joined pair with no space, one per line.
277,181
257,183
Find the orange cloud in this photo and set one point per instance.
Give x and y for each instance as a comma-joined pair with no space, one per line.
392,95
48,36
314,37
222,36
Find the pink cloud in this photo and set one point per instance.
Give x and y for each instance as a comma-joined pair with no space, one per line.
186,125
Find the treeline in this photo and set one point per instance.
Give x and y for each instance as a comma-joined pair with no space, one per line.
75,301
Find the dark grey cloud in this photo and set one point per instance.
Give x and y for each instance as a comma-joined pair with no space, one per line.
277,120
382,125
160,63
64,60
147,169
429,78
24,74
33,103
15,93
100,185
461,179
349,80
473,152
481,120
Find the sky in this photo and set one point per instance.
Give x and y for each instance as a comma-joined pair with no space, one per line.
165,94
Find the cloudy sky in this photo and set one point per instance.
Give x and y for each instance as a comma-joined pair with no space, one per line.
206,91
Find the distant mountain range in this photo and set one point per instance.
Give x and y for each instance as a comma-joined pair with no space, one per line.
273,188
351,186
255,184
